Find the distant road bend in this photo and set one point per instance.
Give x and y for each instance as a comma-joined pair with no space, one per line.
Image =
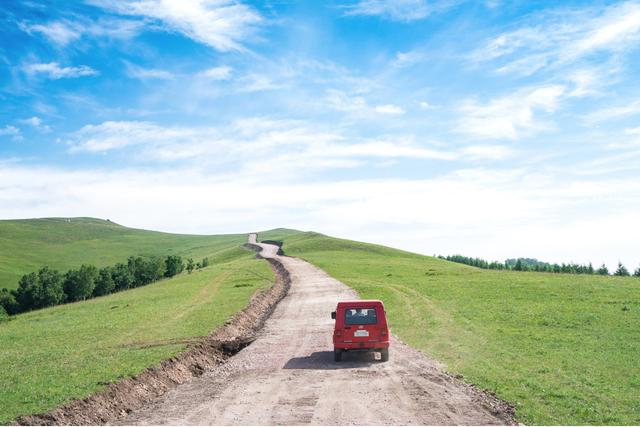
288,376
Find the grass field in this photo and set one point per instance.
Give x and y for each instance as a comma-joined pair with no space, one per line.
53,355
57,354
565,349
27,245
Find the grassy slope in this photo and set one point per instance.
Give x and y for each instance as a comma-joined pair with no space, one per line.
27,245
54,355
563,348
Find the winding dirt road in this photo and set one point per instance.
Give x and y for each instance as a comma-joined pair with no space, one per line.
287,376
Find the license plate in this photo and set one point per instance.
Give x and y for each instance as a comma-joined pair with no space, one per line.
361,333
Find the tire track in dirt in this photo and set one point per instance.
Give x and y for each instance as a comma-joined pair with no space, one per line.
287,375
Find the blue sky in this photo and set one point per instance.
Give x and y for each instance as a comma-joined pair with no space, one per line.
494,129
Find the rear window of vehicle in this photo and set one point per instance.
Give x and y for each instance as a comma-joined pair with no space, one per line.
360,316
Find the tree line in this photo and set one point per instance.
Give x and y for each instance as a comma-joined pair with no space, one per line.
48,287
531,264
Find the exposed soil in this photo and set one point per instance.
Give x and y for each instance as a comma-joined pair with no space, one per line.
203,355
287,375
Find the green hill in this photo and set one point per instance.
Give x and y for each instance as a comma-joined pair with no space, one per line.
26,245
563,348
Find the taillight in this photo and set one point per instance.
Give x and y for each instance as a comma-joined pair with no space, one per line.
383,332
338,333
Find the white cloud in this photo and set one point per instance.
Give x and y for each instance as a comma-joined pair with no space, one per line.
488,152
11,131
389,109
563,37
358,105
399,10
54,71
32,121
217,73
112,135
253,146
60,33
140,73
258,83
406,59
614,112
511,116
35,122
222,24
66,31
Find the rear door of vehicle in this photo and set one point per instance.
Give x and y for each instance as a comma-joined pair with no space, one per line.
361,324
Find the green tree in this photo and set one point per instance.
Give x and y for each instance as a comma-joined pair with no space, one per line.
40,290
174,264
603,270
104,283
48,290
79,284
205,262
122,277
8,301
637,272
146,270
156,268
190,265
621,270
26,294
518,266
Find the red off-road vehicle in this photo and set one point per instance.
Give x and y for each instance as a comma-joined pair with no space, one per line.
360,326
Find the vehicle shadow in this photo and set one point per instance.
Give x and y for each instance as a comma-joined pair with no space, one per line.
323,360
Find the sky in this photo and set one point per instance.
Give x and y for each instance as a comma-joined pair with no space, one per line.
496,129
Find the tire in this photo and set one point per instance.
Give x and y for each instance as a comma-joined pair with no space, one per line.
337,355
384,355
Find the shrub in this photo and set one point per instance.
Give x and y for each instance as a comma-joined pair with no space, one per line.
3,314
104,283
146,270
8,302
122,277
190,265
174,265
621,271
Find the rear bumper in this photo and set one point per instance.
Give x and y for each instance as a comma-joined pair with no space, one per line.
363,346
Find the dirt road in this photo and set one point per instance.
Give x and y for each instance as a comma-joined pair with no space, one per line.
287,376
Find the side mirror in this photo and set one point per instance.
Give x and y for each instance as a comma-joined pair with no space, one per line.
333,315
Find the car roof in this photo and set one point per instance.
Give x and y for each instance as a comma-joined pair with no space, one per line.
360,302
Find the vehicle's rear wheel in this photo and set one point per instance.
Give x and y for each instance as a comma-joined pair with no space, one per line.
384,354
337,355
